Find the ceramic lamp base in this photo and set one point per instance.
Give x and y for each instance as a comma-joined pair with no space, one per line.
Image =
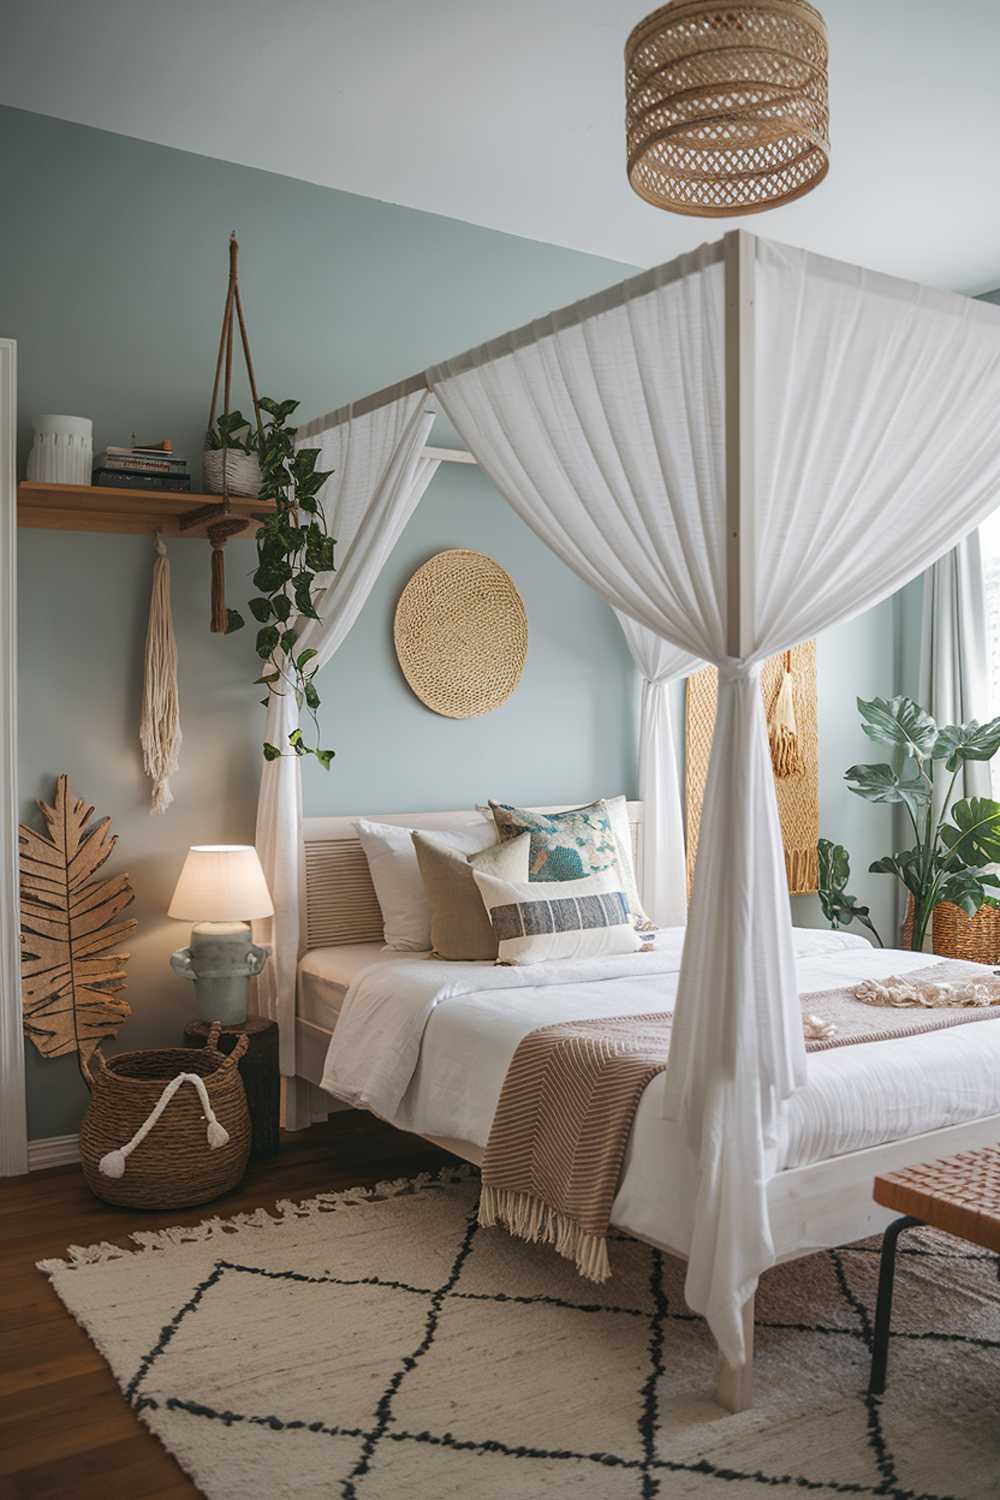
220,960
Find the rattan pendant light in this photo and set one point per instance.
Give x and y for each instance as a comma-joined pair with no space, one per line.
727,105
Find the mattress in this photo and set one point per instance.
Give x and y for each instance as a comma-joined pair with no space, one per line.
326,974
463,1023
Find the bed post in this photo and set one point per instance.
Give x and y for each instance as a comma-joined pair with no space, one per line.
738,253
736,1381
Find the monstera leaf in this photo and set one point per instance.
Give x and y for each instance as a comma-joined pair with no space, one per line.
69,976
961,742
881,784
899,722
839,908
974,836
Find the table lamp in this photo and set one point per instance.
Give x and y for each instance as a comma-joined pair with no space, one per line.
221,888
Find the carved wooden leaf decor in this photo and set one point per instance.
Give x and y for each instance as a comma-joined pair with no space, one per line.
69,978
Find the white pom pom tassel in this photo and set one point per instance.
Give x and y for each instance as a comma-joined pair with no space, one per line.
218,1135
112,1164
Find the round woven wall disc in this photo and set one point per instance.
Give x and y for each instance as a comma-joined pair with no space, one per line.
461,634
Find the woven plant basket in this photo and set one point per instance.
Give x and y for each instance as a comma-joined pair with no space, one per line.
174,1166
974,939
242,471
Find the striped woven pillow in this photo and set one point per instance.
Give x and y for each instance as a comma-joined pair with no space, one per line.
558,919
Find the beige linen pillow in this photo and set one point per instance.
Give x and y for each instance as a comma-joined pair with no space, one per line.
460,928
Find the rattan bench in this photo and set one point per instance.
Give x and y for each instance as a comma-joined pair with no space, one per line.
960,1195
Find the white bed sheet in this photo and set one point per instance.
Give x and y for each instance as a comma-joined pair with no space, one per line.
326,974
428,1049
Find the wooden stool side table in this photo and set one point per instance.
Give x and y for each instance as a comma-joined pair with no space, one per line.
959,1195
259,1071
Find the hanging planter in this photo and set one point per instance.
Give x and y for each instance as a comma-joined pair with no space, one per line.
230,472
294,549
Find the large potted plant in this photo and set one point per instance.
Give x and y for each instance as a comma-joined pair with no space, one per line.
954,841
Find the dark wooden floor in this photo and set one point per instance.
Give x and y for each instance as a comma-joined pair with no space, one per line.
65,1430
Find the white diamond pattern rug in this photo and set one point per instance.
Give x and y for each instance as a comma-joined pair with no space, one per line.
373,1347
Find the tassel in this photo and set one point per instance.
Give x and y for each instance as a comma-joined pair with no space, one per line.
113,1164
782,730
160,724
218,1135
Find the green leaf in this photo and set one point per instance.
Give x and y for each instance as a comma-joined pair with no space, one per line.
304,656
881,784
957,743
839,908
271,752
899,722
282,607
311,695
260,608
973,837
295,738
324,757
267,641
288,639
834,866
266,679
905,866
234,621
963,890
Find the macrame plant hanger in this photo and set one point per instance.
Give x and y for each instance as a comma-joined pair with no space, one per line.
222,523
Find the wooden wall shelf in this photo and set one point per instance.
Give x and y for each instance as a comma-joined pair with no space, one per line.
86,507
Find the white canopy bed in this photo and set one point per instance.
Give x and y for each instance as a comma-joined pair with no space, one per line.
736,450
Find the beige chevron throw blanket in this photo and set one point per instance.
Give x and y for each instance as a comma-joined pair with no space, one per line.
556,1146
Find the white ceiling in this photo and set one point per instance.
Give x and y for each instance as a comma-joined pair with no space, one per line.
510,115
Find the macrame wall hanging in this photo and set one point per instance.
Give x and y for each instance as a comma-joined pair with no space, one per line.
788,686
69,976
160,724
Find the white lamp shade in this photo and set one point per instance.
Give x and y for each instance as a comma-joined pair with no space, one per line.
221,883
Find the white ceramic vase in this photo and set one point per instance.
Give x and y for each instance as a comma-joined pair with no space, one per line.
63,450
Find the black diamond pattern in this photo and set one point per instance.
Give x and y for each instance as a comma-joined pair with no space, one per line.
650,1471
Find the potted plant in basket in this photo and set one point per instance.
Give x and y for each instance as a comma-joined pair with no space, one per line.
955,842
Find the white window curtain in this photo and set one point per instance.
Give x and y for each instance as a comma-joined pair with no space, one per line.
954,655
989,534
379,477
874,450
663,875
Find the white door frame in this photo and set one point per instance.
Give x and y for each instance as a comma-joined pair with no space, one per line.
13,1118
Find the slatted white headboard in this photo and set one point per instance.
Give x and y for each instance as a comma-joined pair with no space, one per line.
341,905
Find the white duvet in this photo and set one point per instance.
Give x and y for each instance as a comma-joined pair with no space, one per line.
426,1045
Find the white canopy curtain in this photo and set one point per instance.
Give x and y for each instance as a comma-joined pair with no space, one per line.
738,450
379,476
663,873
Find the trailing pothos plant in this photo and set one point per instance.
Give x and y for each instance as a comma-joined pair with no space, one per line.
954,841
294,552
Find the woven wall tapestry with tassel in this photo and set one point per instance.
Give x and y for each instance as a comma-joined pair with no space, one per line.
788,686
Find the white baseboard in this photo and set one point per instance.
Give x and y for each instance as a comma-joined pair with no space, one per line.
53,1151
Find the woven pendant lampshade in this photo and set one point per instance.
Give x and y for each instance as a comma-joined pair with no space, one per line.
727,105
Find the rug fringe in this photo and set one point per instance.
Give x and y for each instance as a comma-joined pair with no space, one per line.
284,1211
529,1218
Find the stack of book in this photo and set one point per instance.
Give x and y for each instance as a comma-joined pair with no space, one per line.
150,466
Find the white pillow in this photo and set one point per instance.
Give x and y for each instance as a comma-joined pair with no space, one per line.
616,811
547,919
392,861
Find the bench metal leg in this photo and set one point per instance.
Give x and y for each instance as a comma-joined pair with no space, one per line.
883,1310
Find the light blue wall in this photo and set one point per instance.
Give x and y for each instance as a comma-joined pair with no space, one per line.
112,279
